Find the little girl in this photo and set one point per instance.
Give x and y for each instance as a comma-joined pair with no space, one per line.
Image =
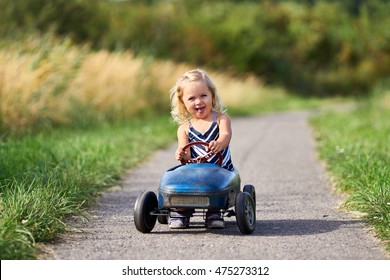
197,108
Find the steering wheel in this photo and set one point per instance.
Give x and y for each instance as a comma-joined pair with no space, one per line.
204,158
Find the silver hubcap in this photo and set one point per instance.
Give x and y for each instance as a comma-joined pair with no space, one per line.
249,214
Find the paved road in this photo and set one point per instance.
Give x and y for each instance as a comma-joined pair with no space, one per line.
297,212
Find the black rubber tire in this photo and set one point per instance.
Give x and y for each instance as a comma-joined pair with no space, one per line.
252,191
145,203
245,213
162,219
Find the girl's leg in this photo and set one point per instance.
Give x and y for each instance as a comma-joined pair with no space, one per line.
214,219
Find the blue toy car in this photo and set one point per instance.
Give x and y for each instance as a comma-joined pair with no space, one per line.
197,186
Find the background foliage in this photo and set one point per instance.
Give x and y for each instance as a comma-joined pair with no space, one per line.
313,47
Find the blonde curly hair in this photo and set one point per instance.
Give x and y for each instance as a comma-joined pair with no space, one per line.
179,112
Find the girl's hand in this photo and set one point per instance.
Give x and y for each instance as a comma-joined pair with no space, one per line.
215,147
180,154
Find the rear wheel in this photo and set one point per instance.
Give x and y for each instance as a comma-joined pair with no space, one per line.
251,190
245,213
143,220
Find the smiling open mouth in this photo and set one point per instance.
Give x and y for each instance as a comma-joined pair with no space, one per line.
200,109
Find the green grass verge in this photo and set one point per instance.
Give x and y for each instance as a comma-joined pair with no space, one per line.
47,177
356,148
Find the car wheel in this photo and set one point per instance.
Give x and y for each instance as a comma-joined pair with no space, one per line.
245,213
145,203
252,191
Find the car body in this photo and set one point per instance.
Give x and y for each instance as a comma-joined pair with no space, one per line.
196,188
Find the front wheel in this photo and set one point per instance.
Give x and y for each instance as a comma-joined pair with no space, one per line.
245,213
145,203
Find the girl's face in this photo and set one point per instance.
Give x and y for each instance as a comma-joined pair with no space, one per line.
198,99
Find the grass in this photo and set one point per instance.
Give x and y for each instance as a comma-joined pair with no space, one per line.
47,82
47,177
355,147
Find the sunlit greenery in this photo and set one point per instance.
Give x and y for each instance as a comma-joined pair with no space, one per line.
355,146
46,177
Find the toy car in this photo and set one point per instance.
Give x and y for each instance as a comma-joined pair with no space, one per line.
197,186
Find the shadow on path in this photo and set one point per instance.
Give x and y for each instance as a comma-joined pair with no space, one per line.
300,227
270,228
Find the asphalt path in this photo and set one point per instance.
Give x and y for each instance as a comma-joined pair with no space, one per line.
298,214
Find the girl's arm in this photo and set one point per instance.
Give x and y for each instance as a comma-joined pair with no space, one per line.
225,134
182,140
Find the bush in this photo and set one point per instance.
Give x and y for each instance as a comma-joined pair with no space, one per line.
82,19
326,48
314,47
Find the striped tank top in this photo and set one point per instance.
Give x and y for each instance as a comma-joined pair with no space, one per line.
211,134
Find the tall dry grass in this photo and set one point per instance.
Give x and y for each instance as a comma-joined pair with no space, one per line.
45,83
32,86
108,85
